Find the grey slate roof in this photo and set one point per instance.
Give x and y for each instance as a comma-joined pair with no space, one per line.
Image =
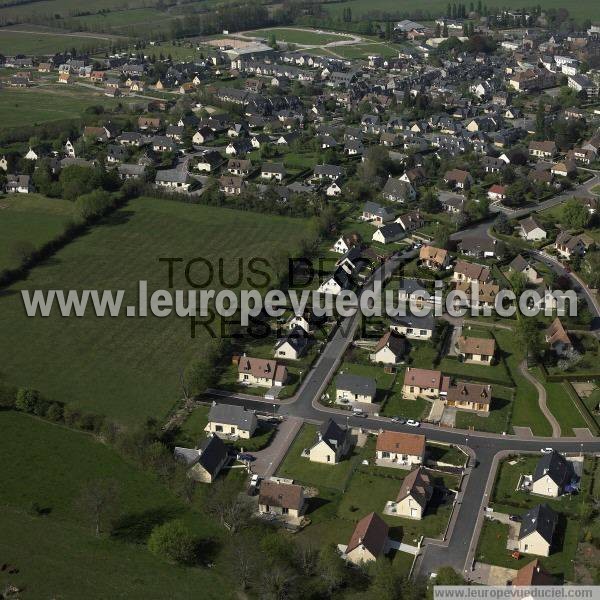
356,384
414,321
213,453
332,434
232,415
541,519
556,466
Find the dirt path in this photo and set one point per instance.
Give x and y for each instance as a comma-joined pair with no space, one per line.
542,398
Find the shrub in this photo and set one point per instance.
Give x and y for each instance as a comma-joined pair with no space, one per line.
174,542
55,412
27,400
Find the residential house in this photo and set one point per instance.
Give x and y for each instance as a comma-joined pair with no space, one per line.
273,171
261,371
538,526
206,462
558,339
478,246
173,179
345,242
340,280
285,500
293,346
568,245
414,327
521,265
473,350
377,214
394,448
332,443
18,184
330,172
546,149
396,190
238,167
411,221
470,396
434,258
497,192
564,169
230,421
231,185
209,162
355,388
392,232
369,540
458,178
424,383
485,295
553,475
532,574
415,493
471,272
390,349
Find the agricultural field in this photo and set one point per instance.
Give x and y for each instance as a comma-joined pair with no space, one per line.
30,220
46,536
128,368
41,43
37,105
298,36
117,20
435,8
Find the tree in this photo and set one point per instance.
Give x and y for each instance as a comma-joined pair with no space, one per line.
173,541
27,400
224,502
529,336
590,267
331,568
540,121
94,204
575,214
386,582
518,282
99,501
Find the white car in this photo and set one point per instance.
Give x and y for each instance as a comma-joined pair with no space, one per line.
413,423
547,450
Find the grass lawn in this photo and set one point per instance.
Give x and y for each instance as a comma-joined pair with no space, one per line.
492,548
362,51
37,105
30,218
561,405
128,368
48,552
297,36
370,488
526,411
498,419
38,43
443,453
192,429
301,469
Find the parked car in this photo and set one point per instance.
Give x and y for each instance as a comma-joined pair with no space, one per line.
246,457
400,420
547,450
413,423
515,518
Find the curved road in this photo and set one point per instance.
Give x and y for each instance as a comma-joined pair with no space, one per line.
459,550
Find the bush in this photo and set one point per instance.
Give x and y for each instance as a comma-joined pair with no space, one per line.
27,400
174,542
55,412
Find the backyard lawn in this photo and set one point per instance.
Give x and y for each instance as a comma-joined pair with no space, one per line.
498,419
299,468
561,405
128,368
30,220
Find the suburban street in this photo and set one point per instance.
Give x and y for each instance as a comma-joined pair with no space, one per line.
485,448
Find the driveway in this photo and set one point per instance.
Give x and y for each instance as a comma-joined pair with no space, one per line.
268,460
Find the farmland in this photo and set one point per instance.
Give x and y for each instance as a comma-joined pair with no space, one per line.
434,8
49,103
128,368
34,220
37,42
48,545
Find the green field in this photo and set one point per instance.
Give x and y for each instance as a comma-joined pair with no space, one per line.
437,8
365,50
35,42
119,19
297,36
48,464
37,105
128,368
32,219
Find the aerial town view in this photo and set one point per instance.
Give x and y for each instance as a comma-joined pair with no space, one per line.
299,300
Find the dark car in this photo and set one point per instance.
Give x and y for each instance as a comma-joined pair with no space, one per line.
246,457
515,518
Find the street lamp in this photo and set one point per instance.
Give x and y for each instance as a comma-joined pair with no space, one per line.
274,409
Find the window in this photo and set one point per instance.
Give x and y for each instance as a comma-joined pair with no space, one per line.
219,428
328,458
285,511
423,332
232,429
